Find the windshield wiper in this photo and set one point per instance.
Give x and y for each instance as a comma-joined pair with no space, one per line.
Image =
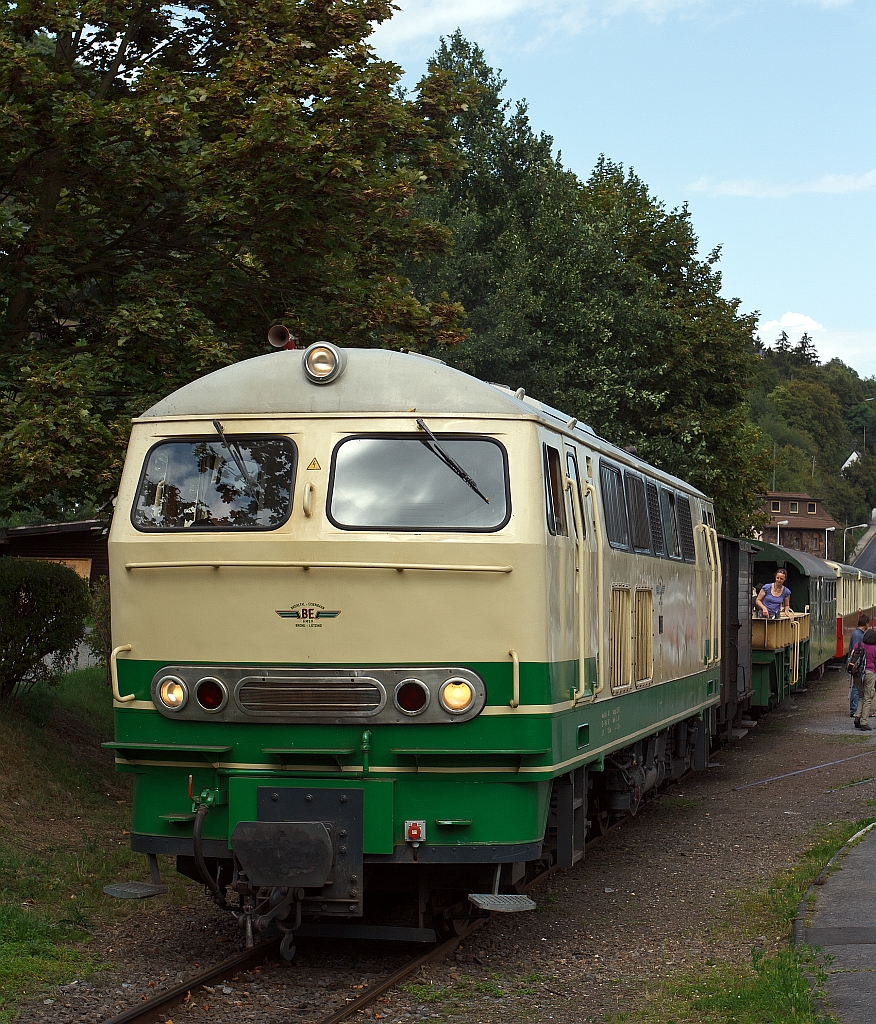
234,451
451,463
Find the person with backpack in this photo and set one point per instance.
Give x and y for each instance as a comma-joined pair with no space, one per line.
868,644
856,683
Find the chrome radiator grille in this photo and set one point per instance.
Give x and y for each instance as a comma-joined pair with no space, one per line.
310,695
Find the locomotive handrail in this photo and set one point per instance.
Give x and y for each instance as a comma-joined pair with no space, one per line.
713,534
114,675
795,652
590,490
399,566
578,516
515,678
714,591
307,504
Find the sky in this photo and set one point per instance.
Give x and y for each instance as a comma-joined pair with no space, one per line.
759,114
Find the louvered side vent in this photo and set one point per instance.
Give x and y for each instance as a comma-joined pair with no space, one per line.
620,639
309,695
654,518
685,528
638,510
644,663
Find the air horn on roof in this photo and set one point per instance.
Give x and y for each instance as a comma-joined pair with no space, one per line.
281,337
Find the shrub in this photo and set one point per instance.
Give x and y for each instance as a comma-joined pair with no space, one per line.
42,620
99,641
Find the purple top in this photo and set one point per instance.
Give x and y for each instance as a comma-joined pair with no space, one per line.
773,603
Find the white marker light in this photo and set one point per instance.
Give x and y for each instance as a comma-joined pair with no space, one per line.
456,696
173,693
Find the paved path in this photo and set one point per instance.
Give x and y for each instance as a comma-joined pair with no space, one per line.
843,923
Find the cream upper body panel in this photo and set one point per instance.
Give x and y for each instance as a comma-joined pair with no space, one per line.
401,596
466,603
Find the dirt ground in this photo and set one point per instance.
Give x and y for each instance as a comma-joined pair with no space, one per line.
650,898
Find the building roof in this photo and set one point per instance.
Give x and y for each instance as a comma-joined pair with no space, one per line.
45,529
801,520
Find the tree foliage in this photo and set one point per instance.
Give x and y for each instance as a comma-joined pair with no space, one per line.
593,297
173,179
814,416
42,620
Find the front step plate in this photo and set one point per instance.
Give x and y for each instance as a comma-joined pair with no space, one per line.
504,904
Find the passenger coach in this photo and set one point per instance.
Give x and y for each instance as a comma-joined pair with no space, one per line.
379,625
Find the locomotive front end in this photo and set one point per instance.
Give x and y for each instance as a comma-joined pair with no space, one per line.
320,591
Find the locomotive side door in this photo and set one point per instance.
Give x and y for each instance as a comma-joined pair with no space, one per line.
561,562
584,568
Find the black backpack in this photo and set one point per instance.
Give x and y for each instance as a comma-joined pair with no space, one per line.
857,661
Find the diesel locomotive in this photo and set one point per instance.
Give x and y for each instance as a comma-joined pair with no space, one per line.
381,627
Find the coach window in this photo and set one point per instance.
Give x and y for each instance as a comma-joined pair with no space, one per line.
233,483
637,506
405,482
614,503
555,491
670,526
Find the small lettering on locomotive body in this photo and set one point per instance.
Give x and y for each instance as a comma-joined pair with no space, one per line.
308,613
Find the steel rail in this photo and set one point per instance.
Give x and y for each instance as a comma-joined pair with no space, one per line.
152,1009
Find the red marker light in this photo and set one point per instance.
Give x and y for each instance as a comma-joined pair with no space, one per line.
210,694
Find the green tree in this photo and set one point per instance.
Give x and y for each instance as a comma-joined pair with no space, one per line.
814,409
593,297
175,178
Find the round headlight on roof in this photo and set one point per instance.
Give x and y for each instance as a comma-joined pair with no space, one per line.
323,363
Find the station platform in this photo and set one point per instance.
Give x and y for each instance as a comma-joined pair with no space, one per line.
843,924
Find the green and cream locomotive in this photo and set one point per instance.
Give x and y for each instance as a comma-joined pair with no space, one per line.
380,625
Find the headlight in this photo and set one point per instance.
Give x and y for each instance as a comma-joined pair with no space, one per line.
412,696
456,696
323,363
211,694
173,693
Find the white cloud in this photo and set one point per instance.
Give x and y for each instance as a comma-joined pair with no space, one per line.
791,322
827,184
420,20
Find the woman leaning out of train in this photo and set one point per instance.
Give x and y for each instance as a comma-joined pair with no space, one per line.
869,645
856,683
774,600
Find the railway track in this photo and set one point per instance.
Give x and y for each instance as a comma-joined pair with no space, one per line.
156,1008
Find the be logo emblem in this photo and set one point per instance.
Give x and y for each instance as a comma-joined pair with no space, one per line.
308,613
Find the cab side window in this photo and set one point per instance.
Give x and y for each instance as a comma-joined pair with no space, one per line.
555,492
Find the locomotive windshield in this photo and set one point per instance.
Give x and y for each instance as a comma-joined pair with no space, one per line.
396,482
200,485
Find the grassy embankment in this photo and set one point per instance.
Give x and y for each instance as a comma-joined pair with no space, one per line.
64,816
778,982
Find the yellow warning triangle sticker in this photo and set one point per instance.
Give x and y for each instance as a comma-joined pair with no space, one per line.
313,464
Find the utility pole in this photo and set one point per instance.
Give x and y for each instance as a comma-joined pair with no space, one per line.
774,465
